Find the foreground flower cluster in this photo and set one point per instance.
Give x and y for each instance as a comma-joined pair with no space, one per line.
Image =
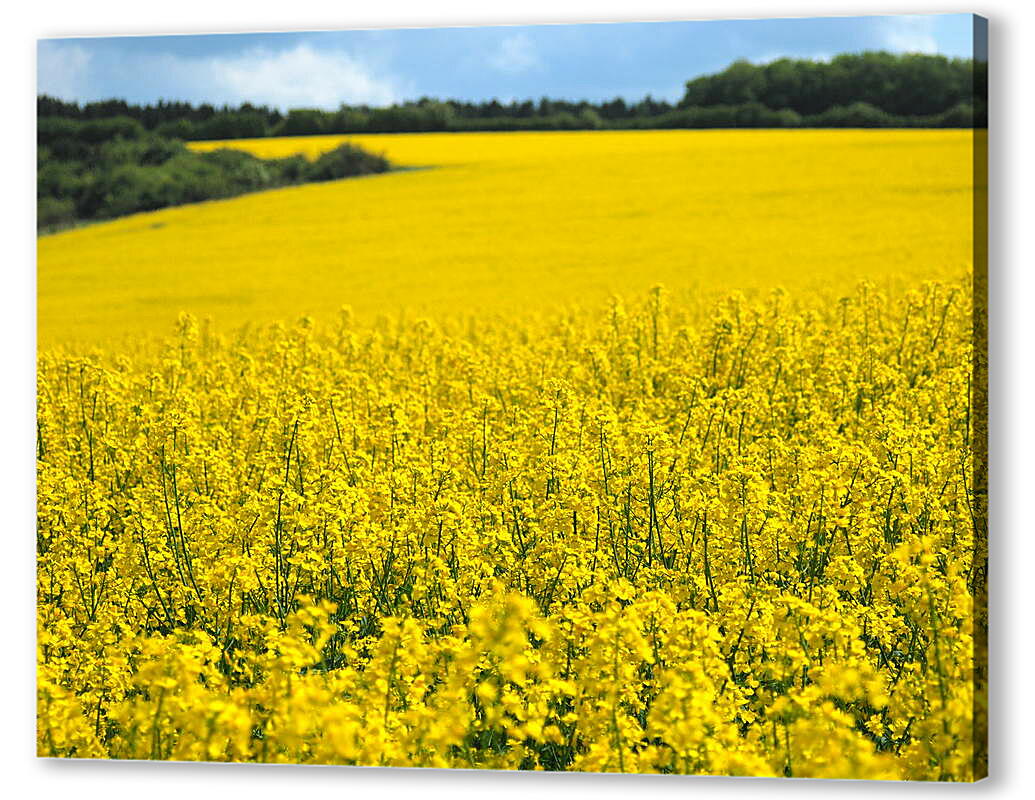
742,539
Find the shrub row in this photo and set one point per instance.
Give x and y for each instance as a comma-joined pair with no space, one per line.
82,176
873,89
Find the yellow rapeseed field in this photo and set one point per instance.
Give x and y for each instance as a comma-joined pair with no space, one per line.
512,221
649,452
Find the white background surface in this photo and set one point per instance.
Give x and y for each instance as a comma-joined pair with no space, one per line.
1012,397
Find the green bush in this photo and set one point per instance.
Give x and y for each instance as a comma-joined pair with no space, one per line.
343,162
910,84
303,122
231,125
54,211
959,116
743,115
95,131
856,115
242,172
50,130
99,169
291,169
58,179
131,188
176,129
147,151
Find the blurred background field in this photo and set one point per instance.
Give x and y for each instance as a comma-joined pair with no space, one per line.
507,222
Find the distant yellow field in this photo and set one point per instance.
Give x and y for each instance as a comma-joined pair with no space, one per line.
505,222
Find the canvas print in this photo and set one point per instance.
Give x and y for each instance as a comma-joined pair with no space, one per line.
593,398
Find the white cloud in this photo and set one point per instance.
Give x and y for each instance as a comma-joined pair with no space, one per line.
300,77
909,34
61,69
303,76
516,54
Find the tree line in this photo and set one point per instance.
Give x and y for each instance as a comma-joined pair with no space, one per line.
911,85
873,89
110,158
105,167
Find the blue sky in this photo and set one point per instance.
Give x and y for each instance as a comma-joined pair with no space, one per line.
378,67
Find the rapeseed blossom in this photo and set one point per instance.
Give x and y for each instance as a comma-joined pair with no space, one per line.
653,536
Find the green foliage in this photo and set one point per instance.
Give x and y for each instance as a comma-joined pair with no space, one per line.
856,115
292,169
913,85
913,90
103,168
177,129
342,162
233,125
96,131
54,212
303,122
745,115
963,115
